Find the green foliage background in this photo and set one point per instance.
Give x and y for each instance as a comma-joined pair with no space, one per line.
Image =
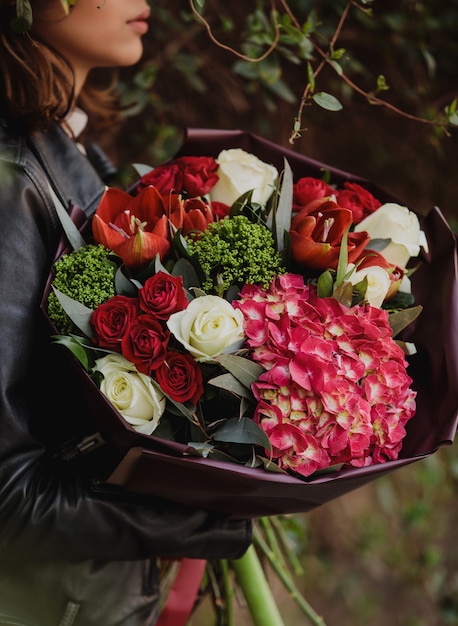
385,554
186,80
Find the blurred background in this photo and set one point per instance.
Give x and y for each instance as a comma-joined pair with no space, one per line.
385,554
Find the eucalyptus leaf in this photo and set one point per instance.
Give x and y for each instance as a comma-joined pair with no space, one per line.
186,270
142,168
243,430
279,220
245,370
378,244
123,285
229,383
74,237
203,449
77,312
401,319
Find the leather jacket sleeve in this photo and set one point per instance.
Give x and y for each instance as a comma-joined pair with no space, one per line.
48,510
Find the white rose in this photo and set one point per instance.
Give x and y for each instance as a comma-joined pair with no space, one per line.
395,222
131,393
378,283
208,327
239,172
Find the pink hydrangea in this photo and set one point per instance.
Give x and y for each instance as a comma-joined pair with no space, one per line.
336,388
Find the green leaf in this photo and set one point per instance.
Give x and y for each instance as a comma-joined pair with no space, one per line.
74,237
327,101
245,370
186,270
325,284
142,168
243,430
311,77
75,347
343,259
203,449
401,319
336,65
23,20
77,312
231,384
285,206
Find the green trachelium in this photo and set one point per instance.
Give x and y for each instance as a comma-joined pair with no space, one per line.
236,251
86,275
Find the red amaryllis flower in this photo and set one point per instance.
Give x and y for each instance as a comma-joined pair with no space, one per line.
197,215
111,319
135,228
360,201
316,238
193,214
307,189
194,176
145,343
180,377
162,295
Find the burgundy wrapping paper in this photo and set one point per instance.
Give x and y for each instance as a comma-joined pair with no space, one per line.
166,469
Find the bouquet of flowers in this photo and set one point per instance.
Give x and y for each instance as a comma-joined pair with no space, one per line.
264,332
250,323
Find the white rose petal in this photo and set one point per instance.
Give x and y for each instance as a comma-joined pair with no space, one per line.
398,223
240,171
378,283
131,393
208,327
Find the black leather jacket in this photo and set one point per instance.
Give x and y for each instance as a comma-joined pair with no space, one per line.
65,545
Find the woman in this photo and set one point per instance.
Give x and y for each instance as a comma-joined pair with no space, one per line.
71,551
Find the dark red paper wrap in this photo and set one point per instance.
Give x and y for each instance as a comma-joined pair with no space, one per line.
162,468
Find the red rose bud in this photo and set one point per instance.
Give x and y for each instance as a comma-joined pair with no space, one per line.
162,295
180,377
307,189
111,320
135,228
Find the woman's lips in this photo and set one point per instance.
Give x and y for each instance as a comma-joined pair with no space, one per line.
139,23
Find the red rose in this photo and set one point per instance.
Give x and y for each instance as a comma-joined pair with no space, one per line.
180,377
307,189
199,174
166,178
360,201
145,343
162,295
111,320
194,176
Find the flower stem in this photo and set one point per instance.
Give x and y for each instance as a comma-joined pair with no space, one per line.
287,581
258,594
229,593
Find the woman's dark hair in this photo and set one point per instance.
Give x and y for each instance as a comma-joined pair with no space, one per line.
37,83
